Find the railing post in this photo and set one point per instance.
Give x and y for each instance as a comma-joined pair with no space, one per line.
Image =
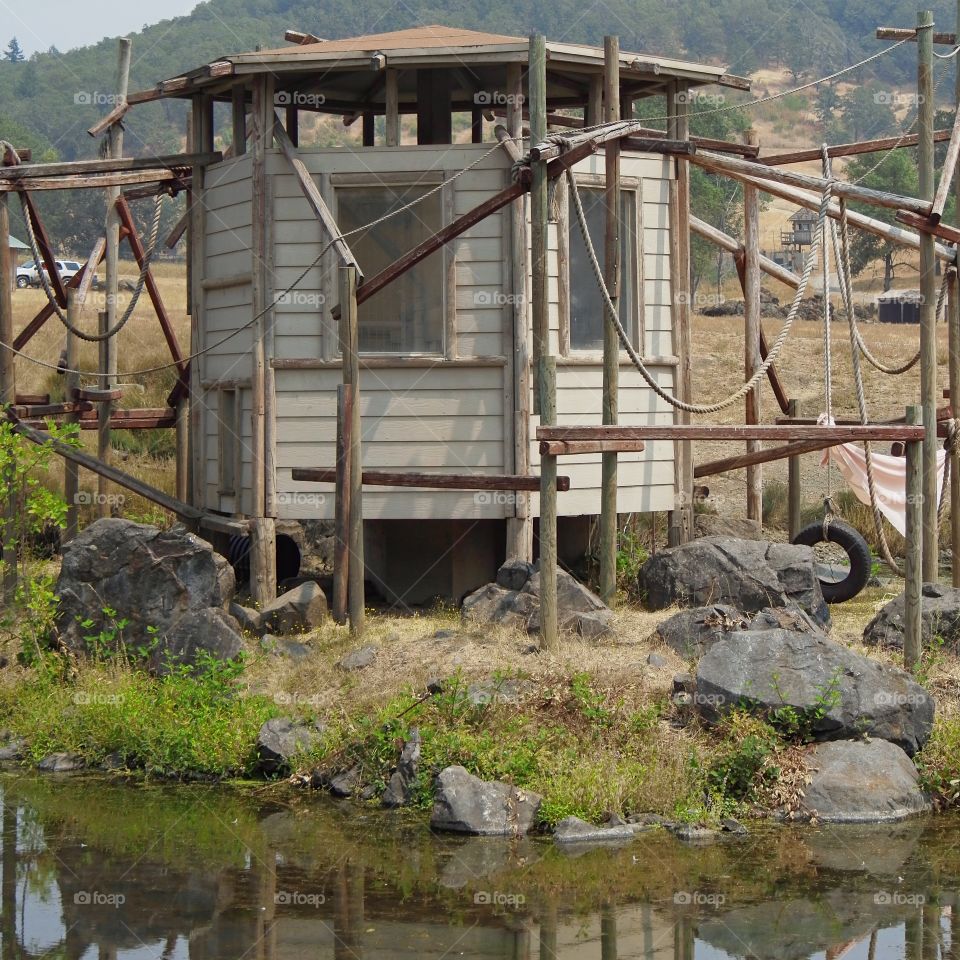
913,584
793,481
548,511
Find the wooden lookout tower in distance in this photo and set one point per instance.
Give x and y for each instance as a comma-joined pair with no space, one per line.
446,347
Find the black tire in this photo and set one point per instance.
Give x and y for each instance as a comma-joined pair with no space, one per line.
843,535
22,282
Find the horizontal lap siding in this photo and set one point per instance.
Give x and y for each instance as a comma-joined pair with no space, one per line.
429,420
227,253
644,480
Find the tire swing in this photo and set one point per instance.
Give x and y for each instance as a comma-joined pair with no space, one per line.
851,540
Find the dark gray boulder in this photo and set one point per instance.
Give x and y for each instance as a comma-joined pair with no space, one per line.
296,611
62,763
514,574
579,610
746,574
345,783
836,693
692,632
573,830
169,586
939,618
249,620
360,658
403,780
466,804
853,781
280,739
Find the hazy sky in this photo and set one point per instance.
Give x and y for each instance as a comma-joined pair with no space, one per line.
41,24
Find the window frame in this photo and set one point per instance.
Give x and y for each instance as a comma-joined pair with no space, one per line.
428,179
634,185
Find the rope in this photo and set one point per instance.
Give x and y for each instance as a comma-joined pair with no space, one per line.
827,346
138,289
775,348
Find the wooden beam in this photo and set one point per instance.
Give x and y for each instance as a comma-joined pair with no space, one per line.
313,197
909,33
764,431
91,181
946,172
860,220
752,361
926,226
434,481
140,255
168,163
107,121
299,37
341,477
913,567
877,198
849,149
612,130
46,252
574,448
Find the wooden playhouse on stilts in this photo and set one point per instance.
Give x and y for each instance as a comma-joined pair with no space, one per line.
446,346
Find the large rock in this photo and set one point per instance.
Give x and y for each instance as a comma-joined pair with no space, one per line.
692,632
466,804
739,528
861,782
746,574
578,609
835,693
573,830
280,739
169,586
939,618
296,611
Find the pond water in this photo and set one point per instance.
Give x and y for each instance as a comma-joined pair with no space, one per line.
98,869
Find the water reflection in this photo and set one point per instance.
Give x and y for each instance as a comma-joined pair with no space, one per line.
98,870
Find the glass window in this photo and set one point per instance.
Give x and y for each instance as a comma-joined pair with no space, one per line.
407,315
586,302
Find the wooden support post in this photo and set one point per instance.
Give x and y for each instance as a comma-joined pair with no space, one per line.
369,128
263,542
928,296
108,317
953,319
8,396
520,525
751,356
392,108
292,125
793,482
239,114
611,342
341,544
182,450
71,471
913,573
680,524
549,626
594,111
350,351
537,106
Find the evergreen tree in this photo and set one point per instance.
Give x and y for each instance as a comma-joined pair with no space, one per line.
14,52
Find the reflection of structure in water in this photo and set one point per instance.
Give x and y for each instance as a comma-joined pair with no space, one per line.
292,896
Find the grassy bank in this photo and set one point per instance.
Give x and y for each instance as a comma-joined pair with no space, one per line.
593,727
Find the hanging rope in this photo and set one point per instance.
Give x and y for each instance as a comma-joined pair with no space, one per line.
775,348
138,289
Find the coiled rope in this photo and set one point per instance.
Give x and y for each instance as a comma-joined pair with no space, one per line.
138,289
